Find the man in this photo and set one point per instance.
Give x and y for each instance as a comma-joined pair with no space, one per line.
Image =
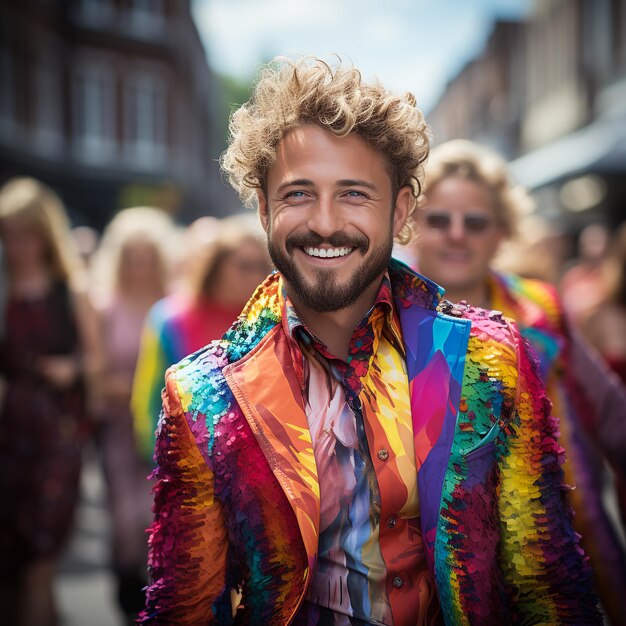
355,450
470,208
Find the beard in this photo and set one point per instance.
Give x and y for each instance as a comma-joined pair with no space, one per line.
320,290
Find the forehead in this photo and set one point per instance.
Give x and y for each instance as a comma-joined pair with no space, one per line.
460,194
139,244
312,153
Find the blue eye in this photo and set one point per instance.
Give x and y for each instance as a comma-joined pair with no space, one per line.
355,194
295,194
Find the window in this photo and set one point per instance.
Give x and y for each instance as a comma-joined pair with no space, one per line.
97,11
48,104
147,16
145,115
94,111
8,112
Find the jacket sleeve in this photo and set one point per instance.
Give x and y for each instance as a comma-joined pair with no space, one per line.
188,536
547,575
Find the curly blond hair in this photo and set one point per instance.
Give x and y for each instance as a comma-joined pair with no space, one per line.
292,93
468,160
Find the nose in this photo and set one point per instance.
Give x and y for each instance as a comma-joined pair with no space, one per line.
456,231
325,217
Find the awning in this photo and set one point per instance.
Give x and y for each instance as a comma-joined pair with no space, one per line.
598,148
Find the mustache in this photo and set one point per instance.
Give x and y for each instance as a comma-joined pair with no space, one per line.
338,239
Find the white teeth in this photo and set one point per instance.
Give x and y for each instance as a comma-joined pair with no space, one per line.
327,253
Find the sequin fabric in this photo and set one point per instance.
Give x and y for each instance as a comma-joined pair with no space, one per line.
175,327
506,550
237,500
536,307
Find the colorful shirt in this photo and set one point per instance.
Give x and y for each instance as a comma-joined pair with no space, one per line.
356,418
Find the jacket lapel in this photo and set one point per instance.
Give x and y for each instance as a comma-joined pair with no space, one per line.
267,390
266,387
436,345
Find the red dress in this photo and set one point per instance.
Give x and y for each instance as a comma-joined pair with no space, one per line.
42,430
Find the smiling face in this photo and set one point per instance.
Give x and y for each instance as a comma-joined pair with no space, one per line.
330,217
458,236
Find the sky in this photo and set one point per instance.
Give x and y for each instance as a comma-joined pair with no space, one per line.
409,45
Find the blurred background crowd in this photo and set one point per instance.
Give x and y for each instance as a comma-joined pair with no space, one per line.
122,249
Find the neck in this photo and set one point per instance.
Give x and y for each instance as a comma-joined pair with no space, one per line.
143,299
140,294
34,283
476,295
335,328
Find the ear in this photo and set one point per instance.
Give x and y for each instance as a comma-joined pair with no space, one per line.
263,209
402,207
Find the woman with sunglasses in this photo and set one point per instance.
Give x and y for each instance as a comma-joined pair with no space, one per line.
470,209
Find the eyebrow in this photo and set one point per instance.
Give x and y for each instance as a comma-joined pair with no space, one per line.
300,182
356,183
347,182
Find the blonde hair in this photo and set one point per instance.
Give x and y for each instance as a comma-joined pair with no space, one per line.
290,94
465,159
35,205
137,223
228,235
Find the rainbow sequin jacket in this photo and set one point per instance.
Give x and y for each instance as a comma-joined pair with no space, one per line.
581,407
237,498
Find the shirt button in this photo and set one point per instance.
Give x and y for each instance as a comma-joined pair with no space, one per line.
383,455
398,582
392,521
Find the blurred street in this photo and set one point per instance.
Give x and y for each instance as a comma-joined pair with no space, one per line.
85,586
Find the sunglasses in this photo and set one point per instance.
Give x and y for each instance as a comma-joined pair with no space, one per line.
472,223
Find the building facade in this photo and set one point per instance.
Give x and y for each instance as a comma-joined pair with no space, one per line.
111,102
549,93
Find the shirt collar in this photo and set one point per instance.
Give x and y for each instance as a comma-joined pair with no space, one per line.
296,330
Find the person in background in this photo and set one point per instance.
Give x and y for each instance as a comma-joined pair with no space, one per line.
470,209
354,450
605,327
582,285
227,260
130,272
48,358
